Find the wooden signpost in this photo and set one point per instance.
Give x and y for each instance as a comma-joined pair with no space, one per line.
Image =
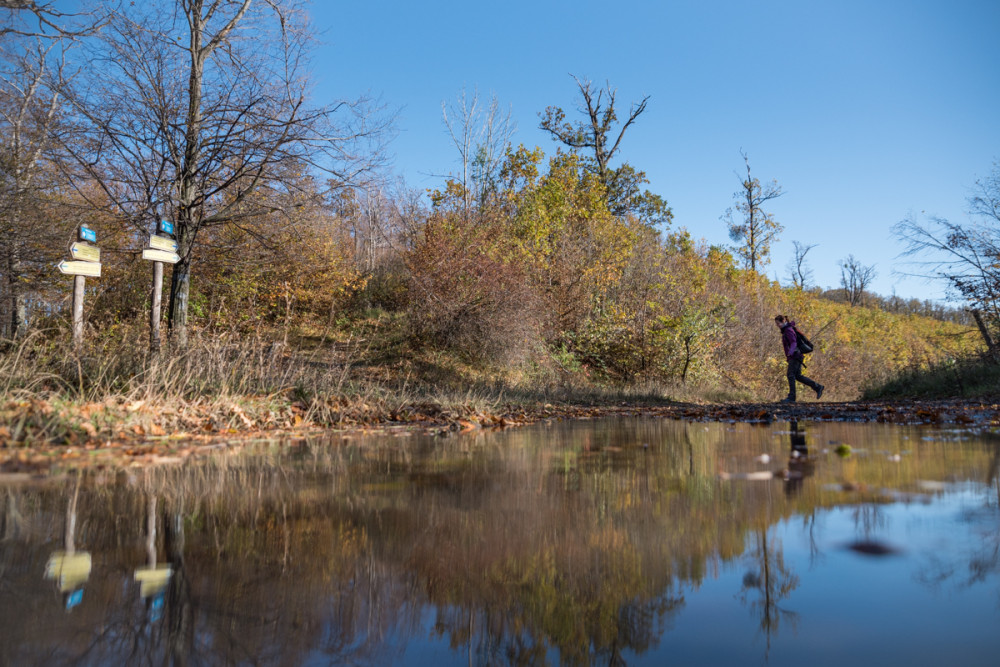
86,262
85,252
164,256
162,243
162,250
74,268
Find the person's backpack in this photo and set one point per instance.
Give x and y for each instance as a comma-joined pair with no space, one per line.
803,343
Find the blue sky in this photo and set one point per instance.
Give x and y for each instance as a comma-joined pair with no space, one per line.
863,111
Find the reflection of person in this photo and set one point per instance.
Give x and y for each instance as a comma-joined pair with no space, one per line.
794,357
799,463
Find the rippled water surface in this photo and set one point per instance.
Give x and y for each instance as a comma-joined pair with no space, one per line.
619,541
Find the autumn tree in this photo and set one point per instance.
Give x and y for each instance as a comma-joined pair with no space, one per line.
29,111
752,228
198,113
597,139
35,39
266,272
383,221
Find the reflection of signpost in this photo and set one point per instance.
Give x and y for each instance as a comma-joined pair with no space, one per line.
162,250
70,568
86,262
152,579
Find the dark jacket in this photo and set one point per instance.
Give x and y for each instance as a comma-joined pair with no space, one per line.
789,340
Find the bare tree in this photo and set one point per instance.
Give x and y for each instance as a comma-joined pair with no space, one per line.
29,110
45,20
750,226
964,256
197,112
799,272
482,137
855,278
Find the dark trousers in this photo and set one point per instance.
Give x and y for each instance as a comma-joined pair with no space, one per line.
795,373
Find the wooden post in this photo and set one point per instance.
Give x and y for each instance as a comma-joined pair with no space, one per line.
78,285
160,250
154,313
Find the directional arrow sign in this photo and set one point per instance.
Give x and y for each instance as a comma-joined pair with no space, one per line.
166,227
88,234
160,255
92,269
162,243
86,252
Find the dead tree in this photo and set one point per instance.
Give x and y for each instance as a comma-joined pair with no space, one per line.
855,277
798,270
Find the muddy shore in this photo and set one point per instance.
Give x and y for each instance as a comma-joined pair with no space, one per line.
156,444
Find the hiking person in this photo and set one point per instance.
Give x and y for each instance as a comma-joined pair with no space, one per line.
794,357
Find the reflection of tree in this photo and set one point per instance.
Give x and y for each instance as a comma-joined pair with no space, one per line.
983,562
987,561
767,583
341,553
869,519
179,604
993,472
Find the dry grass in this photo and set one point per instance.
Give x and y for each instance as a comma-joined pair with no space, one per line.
51,392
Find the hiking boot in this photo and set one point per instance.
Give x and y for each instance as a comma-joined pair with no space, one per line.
787,399
819,392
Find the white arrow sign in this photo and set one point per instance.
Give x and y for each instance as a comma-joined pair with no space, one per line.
162,243
78,268
85,252
164,256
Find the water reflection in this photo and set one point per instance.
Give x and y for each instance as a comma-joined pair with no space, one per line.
596,542
67,567
800,465
767,583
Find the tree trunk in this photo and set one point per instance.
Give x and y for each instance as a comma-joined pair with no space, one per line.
991,346
18,299
186,222
10,318
180,287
